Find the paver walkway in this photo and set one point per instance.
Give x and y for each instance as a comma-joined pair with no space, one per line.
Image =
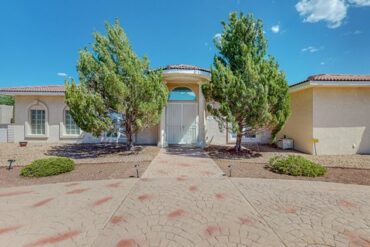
183,200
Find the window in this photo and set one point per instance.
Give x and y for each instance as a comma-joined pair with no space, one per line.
70,124
182,94
38,122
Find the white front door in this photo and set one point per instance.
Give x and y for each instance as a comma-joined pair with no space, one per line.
181,123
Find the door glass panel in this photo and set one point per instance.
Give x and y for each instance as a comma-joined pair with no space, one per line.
182,94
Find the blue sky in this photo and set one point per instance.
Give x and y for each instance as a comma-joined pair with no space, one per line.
41,38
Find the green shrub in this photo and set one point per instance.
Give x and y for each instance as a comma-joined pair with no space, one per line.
296,165
48,167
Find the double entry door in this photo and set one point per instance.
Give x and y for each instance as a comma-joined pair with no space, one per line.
181,123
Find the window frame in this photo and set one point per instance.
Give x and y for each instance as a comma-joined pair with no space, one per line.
36,105
76,131
38,121
63,127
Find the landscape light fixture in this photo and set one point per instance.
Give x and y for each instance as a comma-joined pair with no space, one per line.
10,164
229,166
137,170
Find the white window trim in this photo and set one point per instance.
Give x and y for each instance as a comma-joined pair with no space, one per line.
36,105
63,131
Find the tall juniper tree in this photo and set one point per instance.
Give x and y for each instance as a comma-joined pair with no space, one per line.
250,90
113,79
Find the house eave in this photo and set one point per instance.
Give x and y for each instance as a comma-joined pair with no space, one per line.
11,93
172,74
341,84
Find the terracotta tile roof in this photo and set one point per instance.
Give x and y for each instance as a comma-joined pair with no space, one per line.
184,67
35,89
335,77
339,77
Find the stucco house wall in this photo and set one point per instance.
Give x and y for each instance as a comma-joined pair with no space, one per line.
148,136
299,125
214,136
54,106
341,120
55,130
333,110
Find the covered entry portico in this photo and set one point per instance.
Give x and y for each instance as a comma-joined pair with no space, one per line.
183,119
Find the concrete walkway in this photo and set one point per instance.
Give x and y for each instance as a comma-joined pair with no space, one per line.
183,200
177,162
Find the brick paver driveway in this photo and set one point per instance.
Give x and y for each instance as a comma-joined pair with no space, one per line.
183,200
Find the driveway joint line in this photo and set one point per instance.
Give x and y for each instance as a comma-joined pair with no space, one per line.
114,211
260,215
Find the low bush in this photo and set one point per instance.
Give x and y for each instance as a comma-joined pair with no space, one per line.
296,165
48,167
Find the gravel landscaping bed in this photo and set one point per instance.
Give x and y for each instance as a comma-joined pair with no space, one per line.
80,153
93,162
354,169
9,178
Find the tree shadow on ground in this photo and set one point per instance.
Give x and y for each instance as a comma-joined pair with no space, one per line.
248,151
84,151
183,150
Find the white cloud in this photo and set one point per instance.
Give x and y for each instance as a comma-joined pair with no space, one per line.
360,2
217,38
331,11
275,28
355,32
322,63
62,74
310,49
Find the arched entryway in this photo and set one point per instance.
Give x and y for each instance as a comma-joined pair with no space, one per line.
182,117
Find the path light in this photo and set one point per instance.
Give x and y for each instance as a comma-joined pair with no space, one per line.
137,170
229,166
10,164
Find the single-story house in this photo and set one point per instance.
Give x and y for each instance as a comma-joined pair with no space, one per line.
41,115
330,114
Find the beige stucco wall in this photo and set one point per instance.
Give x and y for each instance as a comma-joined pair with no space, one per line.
55,107
214,136
341,120
148,136
299,125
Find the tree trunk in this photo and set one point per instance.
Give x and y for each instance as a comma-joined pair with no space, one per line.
129,142
238,144
239,136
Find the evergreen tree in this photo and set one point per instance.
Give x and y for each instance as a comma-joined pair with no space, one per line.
6,100
113,79
250,90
